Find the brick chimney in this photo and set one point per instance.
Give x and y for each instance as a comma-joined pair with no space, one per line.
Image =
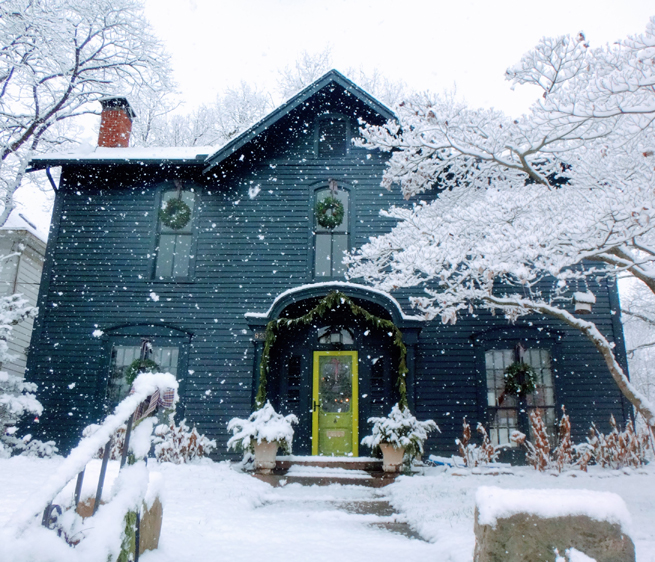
115,123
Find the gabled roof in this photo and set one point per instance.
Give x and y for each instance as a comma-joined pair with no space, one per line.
331,77
207,156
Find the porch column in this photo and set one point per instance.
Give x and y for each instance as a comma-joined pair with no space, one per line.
258,341
410,338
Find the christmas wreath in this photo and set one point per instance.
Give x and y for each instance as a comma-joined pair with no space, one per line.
329,212
520,379
175,214
139,366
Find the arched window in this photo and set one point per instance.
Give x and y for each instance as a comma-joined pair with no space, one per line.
175,236
332,136
331,243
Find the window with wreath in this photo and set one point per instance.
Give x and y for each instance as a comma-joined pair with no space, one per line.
508,409
175,233
127,361
331,231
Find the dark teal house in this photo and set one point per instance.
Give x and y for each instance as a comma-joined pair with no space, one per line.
184,255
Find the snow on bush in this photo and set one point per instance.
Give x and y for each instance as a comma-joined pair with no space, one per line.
264,424
617,449
620,449
17,397
499,503
178,445
473,454
400,429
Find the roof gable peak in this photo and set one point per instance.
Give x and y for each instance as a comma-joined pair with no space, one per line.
331,77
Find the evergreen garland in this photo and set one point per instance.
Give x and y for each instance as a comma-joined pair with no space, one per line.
175,214
330,302
520,379
329,212
139,366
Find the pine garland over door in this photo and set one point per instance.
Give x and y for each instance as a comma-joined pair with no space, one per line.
333,300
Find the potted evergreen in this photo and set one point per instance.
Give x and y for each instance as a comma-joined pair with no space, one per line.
400,437
263,433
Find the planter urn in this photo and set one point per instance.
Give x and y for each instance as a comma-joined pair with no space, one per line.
392,457
265,453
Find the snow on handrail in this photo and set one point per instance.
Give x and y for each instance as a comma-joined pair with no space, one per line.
144,386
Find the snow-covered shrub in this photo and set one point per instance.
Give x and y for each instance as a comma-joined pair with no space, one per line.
564,451
401,430
17,397
178,445
264,424
537,454
617,449
16,400
620,449
473,454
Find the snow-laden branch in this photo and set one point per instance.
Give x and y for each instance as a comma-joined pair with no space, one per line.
560,196
58,58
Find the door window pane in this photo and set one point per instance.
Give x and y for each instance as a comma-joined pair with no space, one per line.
335,383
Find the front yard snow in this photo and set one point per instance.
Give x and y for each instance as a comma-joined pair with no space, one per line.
214,512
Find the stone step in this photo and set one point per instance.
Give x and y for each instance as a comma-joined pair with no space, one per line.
347,463
375,481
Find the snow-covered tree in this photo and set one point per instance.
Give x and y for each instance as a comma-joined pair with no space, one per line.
559,196
214,124
311,66
57,59
16,396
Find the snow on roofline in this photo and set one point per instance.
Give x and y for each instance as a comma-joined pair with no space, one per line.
16,222
333,284
103,154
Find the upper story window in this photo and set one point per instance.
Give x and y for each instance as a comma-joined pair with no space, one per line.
504,408
332,136
331,230
175,234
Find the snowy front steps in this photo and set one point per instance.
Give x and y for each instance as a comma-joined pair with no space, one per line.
323,471
360,508
389,519
348,463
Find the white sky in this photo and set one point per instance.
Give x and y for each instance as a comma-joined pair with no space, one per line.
435,45
432,45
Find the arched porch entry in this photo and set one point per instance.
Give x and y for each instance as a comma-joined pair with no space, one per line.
337,370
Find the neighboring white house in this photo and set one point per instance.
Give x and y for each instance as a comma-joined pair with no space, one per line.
21,273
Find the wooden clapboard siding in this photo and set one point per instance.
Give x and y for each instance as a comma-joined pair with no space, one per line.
20,274
247,251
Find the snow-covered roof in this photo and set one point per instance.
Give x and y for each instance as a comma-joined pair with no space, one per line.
332,76
17,221
332,285
87,153
211,156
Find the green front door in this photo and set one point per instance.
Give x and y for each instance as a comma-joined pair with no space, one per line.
334,418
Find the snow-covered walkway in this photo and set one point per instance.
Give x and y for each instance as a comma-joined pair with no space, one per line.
291,523
213,512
